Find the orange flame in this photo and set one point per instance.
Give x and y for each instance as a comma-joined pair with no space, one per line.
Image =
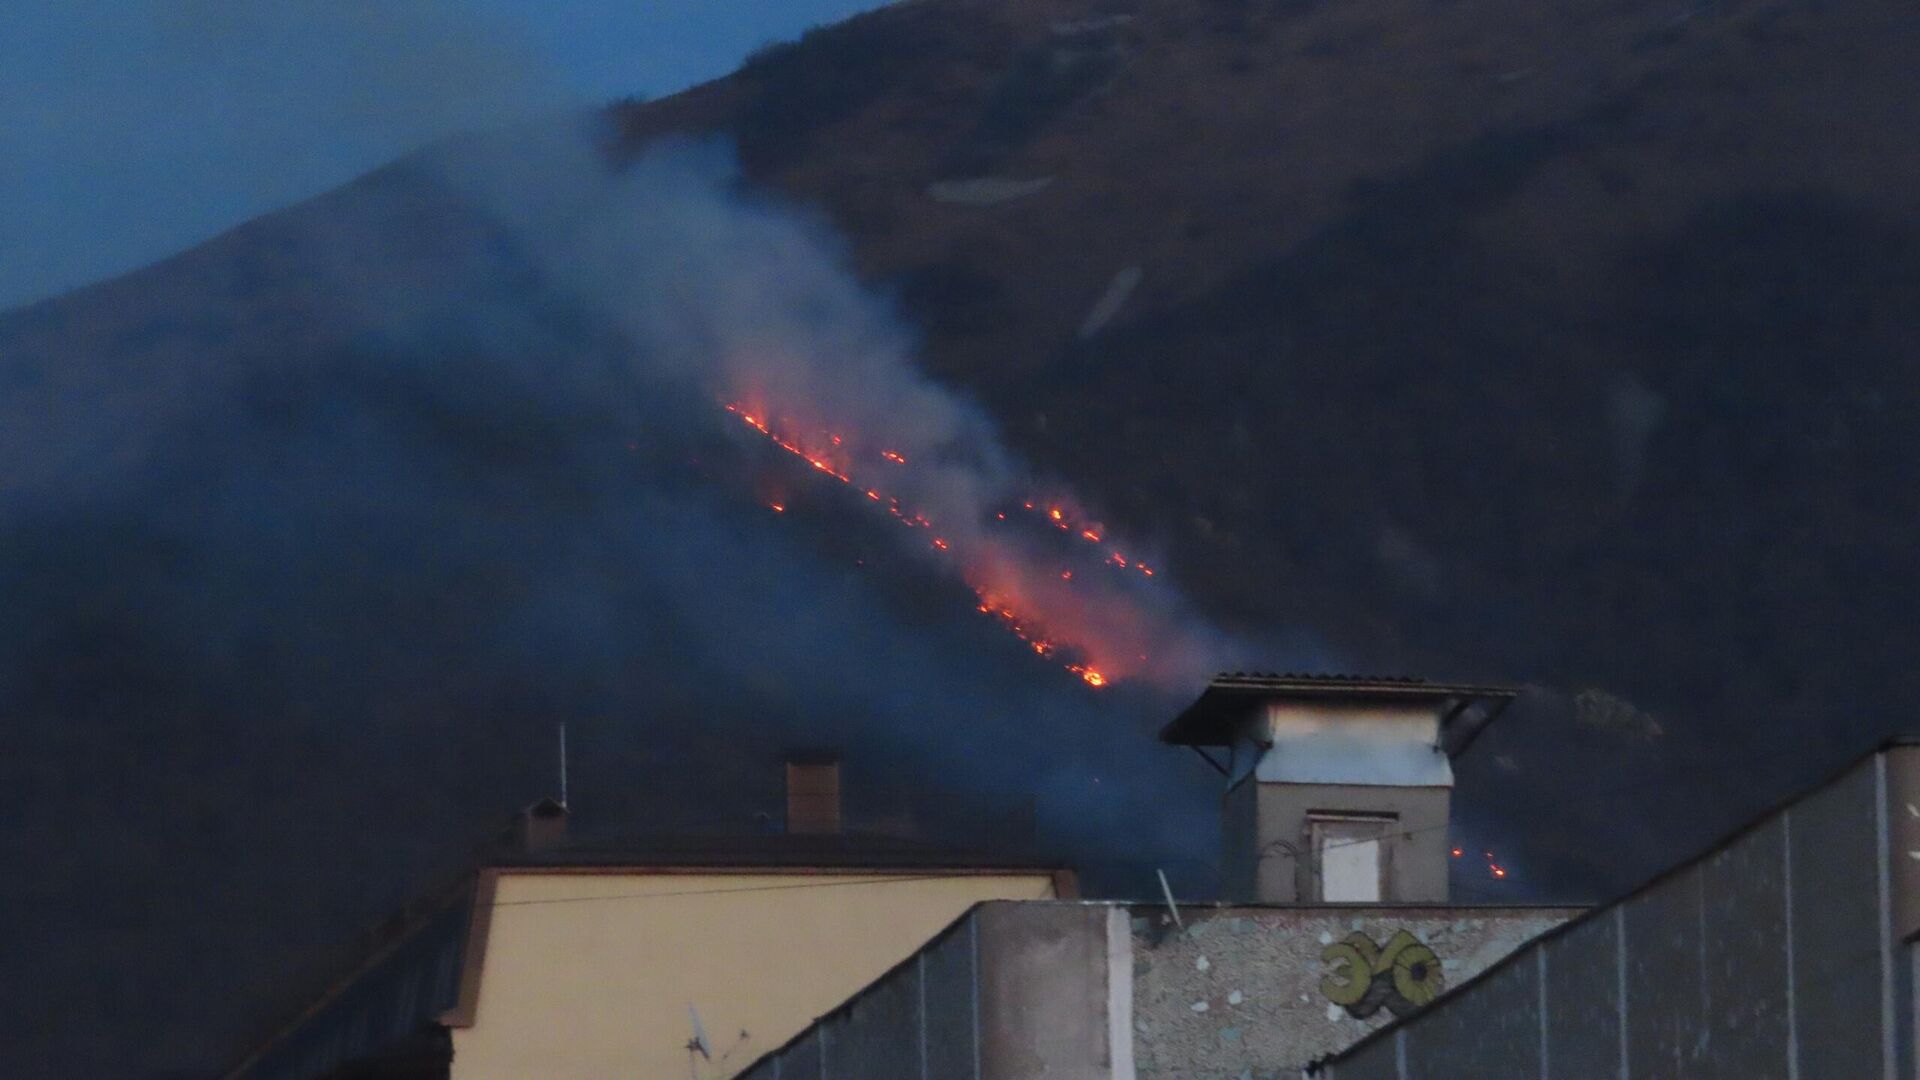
836,456
823,460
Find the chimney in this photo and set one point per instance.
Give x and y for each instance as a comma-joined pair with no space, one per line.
813,792
1338,787
542,825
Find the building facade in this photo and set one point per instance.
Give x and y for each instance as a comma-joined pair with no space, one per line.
662,956
707,957
1109,991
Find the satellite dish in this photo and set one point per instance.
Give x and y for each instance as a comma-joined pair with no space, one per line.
698,1044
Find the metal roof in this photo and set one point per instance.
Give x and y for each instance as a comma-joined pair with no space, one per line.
1212,718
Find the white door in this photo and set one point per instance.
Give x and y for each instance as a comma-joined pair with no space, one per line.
1349,854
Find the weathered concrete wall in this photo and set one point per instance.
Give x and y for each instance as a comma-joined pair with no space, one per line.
1240,842
1774,955
1260,991
1043,991
1011,990
1078,991
1415,849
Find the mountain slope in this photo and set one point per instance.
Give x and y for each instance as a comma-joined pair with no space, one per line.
1565,344
1560,344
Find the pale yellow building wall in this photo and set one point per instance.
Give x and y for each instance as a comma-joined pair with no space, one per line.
590,974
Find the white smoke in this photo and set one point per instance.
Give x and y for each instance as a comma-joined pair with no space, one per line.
748,300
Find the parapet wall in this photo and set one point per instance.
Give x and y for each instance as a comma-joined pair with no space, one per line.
1097,991
1260,991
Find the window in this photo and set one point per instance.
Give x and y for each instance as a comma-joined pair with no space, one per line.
1350,856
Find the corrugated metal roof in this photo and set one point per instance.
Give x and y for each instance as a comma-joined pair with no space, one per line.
1211,719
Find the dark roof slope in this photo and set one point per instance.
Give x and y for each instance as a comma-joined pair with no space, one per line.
769,851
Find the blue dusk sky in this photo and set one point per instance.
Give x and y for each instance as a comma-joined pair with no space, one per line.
130,129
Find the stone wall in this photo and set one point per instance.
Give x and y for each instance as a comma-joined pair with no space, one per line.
1257,992
1092,991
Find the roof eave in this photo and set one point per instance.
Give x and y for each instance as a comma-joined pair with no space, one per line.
1212,718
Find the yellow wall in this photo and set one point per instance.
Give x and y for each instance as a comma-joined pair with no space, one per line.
590,974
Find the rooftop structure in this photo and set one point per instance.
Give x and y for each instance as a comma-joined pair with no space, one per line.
1339,788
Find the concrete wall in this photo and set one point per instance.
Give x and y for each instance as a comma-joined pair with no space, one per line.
1111,992
1285,872
1240,843
590,974
1010,990
1258,992
1775,955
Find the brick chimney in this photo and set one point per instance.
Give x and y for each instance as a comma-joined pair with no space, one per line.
813,792
542,825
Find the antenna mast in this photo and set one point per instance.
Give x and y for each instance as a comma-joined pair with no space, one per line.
563,766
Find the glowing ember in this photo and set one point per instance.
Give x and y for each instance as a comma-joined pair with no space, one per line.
778,508
1092,534
1088,675
827,460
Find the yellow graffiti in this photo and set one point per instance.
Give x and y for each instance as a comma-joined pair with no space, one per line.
1351,974
1402,976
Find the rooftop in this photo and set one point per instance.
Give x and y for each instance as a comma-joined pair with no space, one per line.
1213,717
428,940
766,851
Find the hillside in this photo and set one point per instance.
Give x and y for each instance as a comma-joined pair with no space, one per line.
1567,344
1561,343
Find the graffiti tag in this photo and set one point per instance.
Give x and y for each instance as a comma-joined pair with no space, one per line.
1401,976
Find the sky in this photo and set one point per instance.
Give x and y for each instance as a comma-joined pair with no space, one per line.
132,129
